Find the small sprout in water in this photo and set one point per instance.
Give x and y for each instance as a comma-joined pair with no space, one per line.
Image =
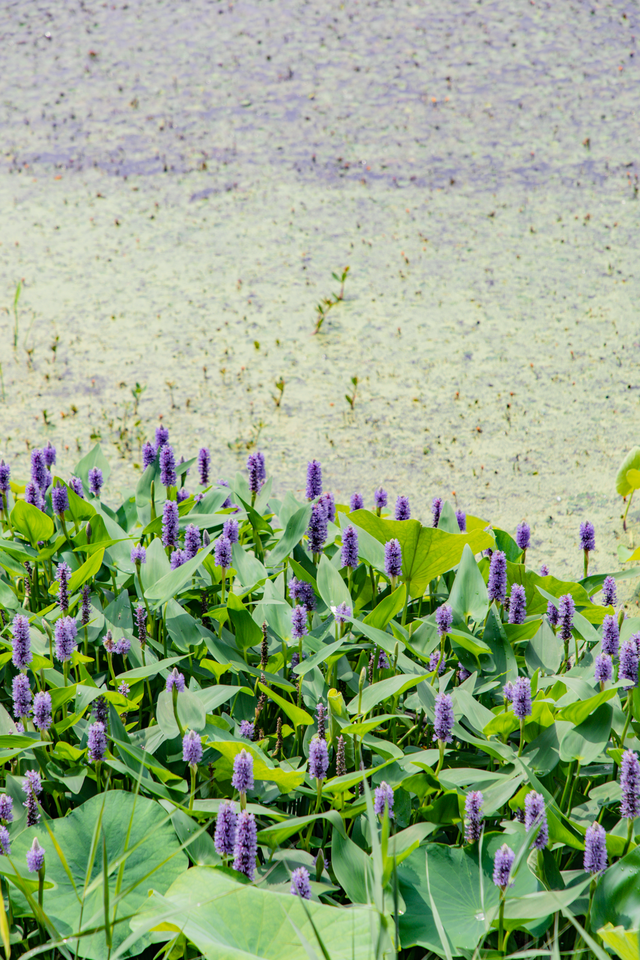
277,398
351,400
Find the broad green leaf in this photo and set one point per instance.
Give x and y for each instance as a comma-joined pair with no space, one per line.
125,822
468,597
353,868
625,943
544,650
280,832
80,576
248,633
295,713
625,484
95,458
331,586
617,896
286,780
579,711
151,669
386,610
226,920
172,583
474,645
588,740
360,729
249,570
426,553
322,656
383,690
296,526
31,523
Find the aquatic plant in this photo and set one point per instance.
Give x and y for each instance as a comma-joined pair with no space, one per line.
232,697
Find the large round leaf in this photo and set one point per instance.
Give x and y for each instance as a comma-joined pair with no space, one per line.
127,823
617,896
587,741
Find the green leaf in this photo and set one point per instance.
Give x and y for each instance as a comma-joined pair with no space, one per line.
426,553
331,586
617,896
126,821
624,483
296,714
384,689
386,610
322,656
468,597
151,669
248,633
80,576
95,458
286,780
172,583
544,651
227,920
352,867
588,740
623,942
294,531
578,711
31,522
280,832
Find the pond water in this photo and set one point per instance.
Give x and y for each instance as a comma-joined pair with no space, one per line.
178,181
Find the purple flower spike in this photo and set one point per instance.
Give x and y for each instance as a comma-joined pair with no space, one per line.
5,477
178,557
191,748
535,816
392,558
247,729
502,864
356,502
523,535
444,718
610,636
522,698
318,758
97,742
587,536
242,778
383,661
246,845
59,501
463,673
255,466
63,575
328,503
35,857
317,530
302,592
298,623
76,485
33,495
148,455
380,498
595,849
32,783
604,668
314,480
436,510
170,524
168,477
204,466
49,454
461,517
342,612
123,646
383,799
225,833
65,633
42,710
21,692
192,541
162,437
403,510
566,612
141,622
300,885
6,808
544,570
349,554
473,816
39,472
230,531
95,481
138,554
552,614
222,553
628,668
444,619
5,842
507,691
517,604
175,680
609,592
22,655
124,689
497,585
630,784
437,660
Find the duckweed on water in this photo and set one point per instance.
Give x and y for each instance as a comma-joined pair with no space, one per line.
217,703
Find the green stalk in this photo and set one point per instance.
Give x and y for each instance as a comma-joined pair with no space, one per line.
193,786
624,519
626,726
501,923
629,837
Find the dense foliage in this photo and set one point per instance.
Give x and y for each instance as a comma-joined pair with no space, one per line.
237,725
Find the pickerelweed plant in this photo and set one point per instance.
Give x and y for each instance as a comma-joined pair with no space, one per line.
220,705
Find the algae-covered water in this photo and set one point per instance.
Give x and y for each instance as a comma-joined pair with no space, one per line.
178,181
